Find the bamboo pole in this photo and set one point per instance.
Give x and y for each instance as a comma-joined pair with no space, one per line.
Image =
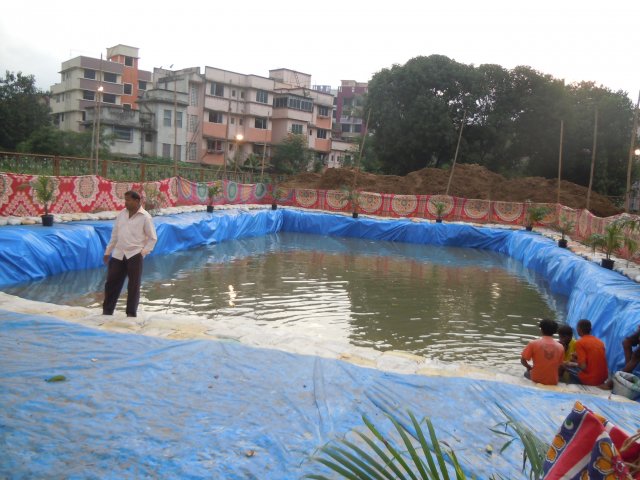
634,133
455,157
560,160
593,156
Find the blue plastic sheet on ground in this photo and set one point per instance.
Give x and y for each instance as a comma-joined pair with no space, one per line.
143,407
136,407
610,300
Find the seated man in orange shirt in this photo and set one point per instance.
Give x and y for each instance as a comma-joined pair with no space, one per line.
546,353
592,363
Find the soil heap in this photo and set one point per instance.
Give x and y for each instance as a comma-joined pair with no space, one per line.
469,181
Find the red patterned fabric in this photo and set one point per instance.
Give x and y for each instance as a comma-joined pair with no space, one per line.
589,447
91,193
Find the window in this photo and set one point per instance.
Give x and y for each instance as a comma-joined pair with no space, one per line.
215,117
323,111
128,89
179,119
240,121
88,73
126,106
88,95
214,145
357,128
123,133
322,133
148,137
293,102
346,128
192,151
178,152
142,85
166,120
233,120
108,98
296,128
166,150
128,61
217,89
193,123
84,116
262,96
261,123
242,94
233,93
310,132
193,95
110,77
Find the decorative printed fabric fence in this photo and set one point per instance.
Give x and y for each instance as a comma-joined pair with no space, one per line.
91,193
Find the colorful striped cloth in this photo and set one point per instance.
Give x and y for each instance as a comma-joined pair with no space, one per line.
589,447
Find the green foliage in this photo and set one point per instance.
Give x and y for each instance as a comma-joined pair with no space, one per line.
415,453
44,190
611,241
23,109
292,155
565,226
51,141
351,194
213,191
512,121
152,198
536,213
535,450
439,207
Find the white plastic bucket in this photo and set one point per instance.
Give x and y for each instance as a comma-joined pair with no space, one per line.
626,385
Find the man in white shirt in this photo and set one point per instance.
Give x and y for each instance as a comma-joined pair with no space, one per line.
133,237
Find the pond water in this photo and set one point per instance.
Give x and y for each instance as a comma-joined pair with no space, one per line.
452,304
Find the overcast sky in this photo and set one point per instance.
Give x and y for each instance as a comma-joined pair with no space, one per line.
331,40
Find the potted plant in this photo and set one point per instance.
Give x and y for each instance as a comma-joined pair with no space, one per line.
44,190
612,240
152,198
277,193
440,208
350,194
564,226
212,192
535,214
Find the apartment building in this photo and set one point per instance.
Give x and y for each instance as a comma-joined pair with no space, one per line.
110,86
213,118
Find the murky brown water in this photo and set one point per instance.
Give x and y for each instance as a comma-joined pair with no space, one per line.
452,304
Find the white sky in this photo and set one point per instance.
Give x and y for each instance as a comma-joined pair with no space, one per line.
331,40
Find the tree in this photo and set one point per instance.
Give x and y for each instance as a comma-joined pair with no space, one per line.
416,111
51,141
23,109
292,155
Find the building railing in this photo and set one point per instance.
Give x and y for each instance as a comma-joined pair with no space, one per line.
123,170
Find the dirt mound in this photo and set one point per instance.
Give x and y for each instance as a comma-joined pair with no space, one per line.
469,181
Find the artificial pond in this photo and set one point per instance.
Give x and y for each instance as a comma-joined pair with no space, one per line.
135,406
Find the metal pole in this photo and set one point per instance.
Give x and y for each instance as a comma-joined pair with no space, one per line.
99,93
593,155
455,158
175,126
634,133
264,149
560,160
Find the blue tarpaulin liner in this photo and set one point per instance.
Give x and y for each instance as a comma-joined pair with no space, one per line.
610,300
142,407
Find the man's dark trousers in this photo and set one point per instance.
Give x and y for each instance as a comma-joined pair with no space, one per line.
118,270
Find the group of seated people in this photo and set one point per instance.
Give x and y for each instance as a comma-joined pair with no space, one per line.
581,361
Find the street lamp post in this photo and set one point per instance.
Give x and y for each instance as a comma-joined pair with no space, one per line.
239,138
97,123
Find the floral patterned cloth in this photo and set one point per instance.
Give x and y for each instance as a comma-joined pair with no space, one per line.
588,447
